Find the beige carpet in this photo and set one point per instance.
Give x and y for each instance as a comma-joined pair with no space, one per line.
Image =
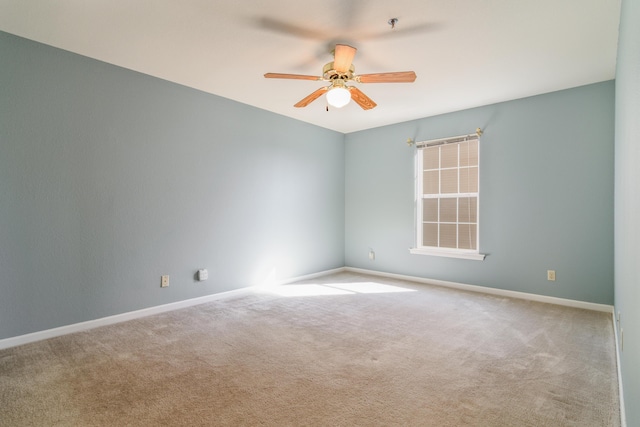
344,350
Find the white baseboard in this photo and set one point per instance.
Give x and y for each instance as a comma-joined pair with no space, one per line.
312,276
117,318
493,291
521,295
104,321
623,416
131,315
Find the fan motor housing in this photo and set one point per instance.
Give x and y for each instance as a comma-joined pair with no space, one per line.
330,73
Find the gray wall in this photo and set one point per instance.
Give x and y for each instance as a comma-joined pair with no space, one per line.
546,188
627,203
110,178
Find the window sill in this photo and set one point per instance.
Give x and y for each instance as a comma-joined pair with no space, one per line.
448,254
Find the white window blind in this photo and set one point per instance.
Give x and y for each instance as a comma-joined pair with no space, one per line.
447,197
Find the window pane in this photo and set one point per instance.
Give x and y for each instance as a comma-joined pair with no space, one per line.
467,209
430,182
449,155
430,158
469,180
448,235
467,236
448,210
469,153
430,210
449,181
448,217
429,234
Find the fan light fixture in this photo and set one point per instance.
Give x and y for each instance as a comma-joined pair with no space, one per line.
338,73
338,96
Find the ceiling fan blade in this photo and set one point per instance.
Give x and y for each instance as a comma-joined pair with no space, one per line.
291,76
397,77
361,99
289,29
343,57
310,98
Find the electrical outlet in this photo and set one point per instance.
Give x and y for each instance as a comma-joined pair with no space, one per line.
372,255
164,281
618,320
551,275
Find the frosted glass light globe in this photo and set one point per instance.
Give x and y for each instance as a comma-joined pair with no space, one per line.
338,97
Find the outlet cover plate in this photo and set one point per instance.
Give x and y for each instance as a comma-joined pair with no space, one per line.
164,281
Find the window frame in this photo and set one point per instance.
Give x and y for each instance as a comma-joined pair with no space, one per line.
420,249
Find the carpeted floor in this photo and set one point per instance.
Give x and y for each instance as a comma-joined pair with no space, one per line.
343,350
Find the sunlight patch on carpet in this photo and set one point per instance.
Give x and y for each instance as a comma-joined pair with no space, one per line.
350,288
306,291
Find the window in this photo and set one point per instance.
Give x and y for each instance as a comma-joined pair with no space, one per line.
447,197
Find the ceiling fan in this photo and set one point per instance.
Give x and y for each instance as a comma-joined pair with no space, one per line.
338,73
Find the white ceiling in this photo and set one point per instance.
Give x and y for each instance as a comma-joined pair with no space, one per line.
466,53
